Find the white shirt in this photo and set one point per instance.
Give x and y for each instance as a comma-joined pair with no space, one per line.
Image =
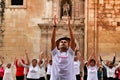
49,68
63,65
34,72
8,73
110,71
92,73
77,67
42,69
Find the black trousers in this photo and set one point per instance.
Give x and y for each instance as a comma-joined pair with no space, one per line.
1,78
78,77
110,78
32,79
19,77
42,78
105,78
48,77
85,77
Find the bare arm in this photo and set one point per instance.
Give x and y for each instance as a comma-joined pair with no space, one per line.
28,61
79,56
40,58
97,61
90,57
53,43
15,61
24,65
72,41
1,58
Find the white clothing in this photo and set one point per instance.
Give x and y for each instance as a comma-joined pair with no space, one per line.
110,71
34,72
49,68
92,73
8,73
42,69
77,67
63,65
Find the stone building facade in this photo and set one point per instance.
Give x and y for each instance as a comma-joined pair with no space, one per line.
103,27
28,25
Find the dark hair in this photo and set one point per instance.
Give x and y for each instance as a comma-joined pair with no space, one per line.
50,60
92,60
34,60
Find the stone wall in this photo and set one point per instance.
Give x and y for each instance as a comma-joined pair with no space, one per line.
103,27
21,30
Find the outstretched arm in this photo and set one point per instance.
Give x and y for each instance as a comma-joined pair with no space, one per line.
101,59
89,58
102,62
96,58
26,53
72,41
53,43
40,58
1,58
114,59
79,55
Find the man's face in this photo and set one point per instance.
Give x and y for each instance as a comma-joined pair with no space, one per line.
63,44
34,63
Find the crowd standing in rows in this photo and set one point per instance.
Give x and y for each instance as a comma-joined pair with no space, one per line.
66,63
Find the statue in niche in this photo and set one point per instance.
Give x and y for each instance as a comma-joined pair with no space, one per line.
66,9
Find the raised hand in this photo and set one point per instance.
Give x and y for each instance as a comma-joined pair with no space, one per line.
26,51
55,20
41,55
115,54
68,21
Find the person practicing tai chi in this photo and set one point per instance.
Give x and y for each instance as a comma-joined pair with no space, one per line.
110,68
62,55
92,67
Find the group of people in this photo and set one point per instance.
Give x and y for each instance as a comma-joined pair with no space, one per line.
64,65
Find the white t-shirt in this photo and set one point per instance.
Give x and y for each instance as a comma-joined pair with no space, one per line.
49,68
92,73
77,67
8,73
110,71
42,69
63,65
34,72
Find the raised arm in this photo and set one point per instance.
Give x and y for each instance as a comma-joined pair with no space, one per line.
117,65
90,57
79,55
28,61
72,40
1,58
114,58
97,61
40,58
102,62
53,43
